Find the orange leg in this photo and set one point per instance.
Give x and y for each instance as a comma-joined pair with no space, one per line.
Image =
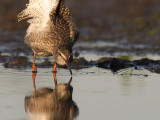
34,66
34,78
54,74
55,79
54,68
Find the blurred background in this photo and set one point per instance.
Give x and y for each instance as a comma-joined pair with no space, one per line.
125,29
105,26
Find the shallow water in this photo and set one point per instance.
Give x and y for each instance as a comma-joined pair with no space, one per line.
99,94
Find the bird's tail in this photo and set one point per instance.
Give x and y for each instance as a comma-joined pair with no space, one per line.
37,11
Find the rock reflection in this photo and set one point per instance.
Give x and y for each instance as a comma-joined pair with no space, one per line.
52,104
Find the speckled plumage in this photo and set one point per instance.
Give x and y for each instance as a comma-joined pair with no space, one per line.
43,35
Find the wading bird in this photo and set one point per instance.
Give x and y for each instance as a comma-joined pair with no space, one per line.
51,31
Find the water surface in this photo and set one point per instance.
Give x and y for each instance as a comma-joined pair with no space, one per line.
99,94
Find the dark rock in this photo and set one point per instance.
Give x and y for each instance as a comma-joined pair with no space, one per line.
114,64
104,59
17,62
143,62
146,62
118,64
104,62
80,63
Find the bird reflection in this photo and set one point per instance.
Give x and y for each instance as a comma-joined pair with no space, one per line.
51,104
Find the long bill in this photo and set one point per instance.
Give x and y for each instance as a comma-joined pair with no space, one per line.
68,84
68,66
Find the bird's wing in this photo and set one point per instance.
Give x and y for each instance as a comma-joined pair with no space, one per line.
38,11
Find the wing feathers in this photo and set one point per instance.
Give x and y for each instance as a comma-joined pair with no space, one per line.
37,11
39,14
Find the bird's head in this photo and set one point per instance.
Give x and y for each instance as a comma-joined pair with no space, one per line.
64,57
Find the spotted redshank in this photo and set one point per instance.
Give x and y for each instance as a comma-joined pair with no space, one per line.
51,31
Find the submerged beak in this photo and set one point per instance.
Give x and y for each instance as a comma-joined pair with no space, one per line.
67,63
68,84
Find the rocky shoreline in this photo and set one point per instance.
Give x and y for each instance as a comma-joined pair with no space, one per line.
113,64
